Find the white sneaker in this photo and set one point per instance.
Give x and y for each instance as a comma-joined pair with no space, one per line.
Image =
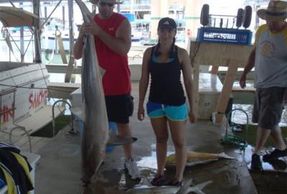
131,167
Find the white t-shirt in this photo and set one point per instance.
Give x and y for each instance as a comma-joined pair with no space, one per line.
271,58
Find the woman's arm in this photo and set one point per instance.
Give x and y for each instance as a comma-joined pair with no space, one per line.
187,77
143,84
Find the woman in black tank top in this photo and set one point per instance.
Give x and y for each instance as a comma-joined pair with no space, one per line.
163,64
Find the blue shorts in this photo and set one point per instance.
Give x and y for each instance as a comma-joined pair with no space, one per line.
173,113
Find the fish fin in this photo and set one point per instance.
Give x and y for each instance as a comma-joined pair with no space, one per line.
199,192
224,155
115,140
102,71
198,188
185,187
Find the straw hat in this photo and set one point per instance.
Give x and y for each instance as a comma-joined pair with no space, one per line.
276,11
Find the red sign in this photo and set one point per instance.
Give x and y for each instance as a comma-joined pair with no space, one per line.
6,114
36,98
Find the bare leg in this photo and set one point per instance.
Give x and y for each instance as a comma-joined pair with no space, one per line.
125,132
278,139
160,129
261,138
178,136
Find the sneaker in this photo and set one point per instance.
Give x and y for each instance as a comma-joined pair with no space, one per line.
256,163
159,180
132,169
275,154
175,183
278,164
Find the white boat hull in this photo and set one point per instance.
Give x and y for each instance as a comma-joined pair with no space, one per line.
23,90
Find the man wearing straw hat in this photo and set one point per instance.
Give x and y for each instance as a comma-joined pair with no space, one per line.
269,57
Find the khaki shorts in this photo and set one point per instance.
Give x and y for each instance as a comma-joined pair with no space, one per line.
268,107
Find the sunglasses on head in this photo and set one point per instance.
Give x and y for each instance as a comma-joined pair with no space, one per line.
104,4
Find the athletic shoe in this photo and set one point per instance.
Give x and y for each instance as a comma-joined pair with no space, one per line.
132,169
275,154
175,183
278,164
159,180
256,163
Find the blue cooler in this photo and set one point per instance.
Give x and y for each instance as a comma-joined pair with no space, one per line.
113,130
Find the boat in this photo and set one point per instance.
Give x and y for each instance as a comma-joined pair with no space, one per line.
52,33
23,91
23,86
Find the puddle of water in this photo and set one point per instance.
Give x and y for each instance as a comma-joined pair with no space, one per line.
150,161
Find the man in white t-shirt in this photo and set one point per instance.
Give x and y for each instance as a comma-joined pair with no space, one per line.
269,57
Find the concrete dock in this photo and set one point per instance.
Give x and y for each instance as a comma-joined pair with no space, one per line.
59,169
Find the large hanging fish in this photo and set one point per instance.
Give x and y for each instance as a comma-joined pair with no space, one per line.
95,133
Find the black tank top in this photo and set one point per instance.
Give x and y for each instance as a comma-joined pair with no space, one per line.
166,87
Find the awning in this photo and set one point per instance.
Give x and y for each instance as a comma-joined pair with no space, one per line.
14,17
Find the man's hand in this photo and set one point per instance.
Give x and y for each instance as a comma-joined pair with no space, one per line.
91,28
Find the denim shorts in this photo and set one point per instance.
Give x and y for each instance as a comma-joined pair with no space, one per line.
173,113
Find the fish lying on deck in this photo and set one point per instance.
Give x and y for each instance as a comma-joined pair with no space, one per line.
194,158
186,188
95,133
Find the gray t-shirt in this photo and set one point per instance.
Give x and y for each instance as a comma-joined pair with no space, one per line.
271,58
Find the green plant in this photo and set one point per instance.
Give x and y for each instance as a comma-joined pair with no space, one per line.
47,131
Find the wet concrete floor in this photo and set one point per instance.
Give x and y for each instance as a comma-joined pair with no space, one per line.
59,171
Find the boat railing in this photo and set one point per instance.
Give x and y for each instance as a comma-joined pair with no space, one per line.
135,7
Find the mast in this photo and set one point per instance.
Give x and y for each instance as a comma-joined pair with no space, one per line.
37,34
71,23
